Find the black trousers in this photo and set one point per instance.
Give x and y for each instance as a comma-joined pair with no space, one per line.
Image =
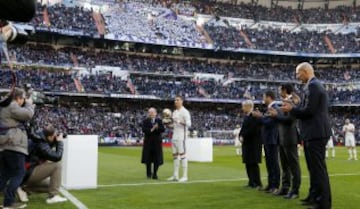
272,165
12,174
253,172
318,172
312,196
151,173
291,175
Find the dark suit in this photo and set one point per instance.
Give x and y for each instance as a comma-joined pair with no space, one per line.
251,149
152,149
270,136
315,131
289,158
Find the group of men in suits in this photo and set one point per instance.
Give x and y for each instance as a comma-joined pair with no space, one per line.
280,137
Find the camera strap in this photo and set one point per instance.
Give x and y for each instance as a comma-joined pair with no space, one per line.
11,66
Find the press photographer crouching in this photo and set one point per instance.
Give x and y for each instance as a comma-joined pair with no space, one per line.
14,145
43,166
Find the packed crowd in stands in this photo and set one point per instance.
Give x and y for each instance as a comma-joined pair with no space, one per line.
60,16
163,87
149,23
152,22
89,58
339,14
125,121
275,39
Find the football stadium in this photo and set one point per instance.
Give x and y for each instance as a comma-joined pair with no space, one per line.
179,104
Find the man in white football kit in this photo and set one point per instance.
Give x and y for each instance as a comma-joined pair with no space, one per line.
349,131
181,122
237,140
330,145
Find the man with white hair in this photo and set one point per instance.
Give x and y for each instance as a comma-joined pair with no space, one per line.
349,131
313,113
250,135
181,123
152,153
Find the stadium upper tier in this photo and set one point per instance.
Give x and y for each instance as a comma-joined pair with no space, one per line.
160,64
175,25
164,77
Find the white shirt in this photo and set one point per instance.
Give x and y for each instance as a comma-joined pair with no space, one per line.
181,117
236,133
347,128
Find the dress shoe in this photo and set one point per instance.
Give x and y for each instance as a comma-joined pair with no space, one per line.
307,199
267,188
155,177
311,203
281,192
291,195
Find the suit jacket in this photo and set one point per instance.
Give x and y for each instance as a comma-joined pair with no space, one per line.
251,134
270,131
288,133
313,112
152,148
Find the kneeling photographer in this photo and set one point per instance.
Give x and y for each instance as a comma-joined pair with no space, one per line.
14,144
43,166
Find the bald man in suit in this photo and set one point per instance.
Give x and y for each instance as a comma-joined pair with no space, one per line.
315,131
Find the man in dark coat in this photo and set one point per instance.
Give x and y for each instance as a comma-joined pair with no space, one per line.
250,136
270,136
288,140
152,149
315,131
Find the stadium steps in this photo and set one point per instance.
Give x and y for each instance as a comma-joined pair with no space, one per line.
78,85
246,38
205,34
100,23
46,17
328,42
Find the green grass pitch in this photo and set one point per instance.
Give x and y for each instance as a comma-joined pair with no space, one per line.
123,184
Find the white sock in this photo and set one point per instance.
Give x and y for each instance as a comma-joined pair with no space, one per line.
333,152
350,153
184,164
327,153
355,153
237,151
176,167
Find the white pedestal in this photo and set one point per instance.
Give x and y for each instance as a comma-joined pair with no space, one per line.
80,162
199,149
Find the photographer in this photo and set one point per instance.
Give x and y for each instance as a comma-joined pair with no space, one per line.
43,166
14,145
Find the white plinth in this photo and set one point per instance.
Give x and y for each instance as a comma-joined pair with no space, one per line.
80,162
199,149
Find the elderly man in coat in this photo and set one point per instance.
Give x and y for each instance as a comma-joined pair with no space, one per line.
250,136
152,149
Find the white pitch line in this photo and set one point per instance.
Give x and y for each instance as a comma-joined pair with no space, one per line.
204,181
73,199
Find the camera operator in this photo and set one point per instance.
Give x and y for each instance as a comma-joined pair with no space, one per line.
43,166
14,145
